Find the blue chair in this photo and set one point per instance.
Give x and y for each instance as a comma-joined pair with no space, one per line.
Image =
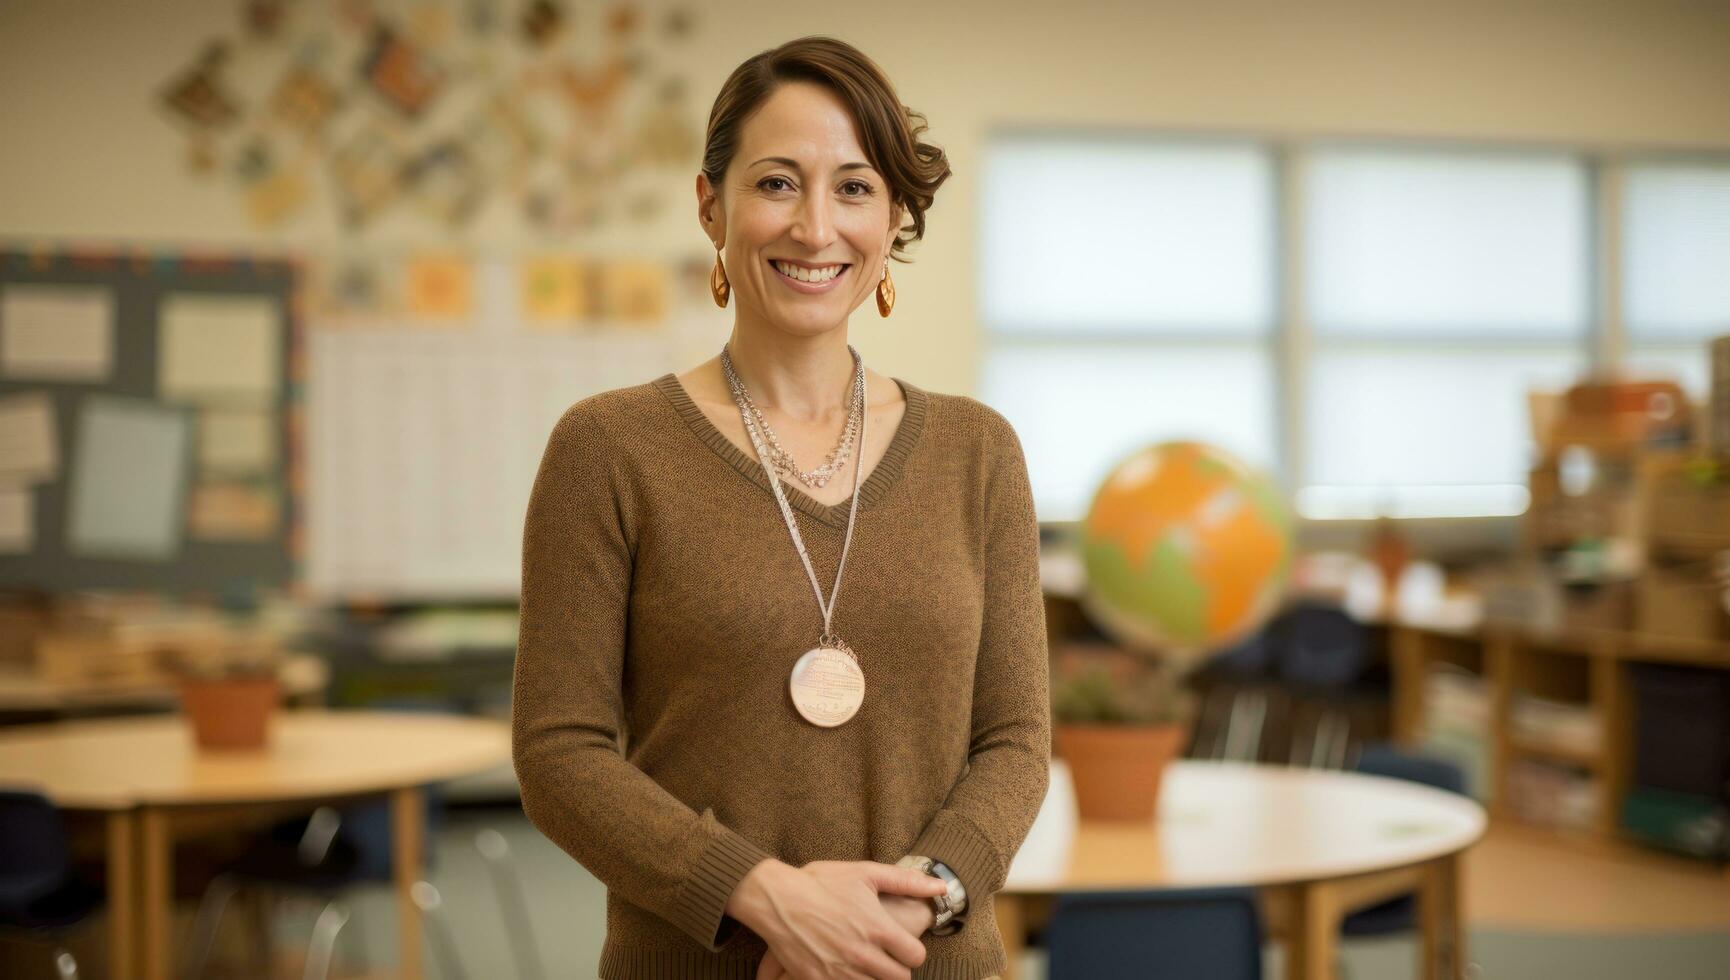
39,894
1188,934
1235,685
1399,914
1325,663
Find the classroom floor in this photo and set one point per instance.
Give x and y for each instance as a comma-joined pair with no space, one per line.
1538,909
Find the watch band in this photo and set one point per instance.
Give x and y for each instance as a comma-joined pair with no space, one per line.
947,907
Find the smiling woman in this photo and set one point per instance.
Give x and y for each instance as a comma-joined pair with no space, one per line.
803,792
813,115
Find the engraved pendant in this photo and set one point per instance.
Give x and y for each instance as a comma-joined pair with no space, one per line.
827,686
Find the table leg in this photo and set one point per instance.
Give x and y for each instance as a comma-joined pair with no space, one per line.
1011,926
122,893
156,894
1443,921
1315,932
408,829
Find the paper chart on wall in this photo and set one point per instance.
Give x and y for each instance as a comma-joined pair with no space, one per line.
218,348
423,446
17,520
29,451
57,332
128,479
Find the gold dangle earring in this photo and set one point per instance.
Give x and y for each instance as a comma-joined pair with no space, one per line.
718,285
885,291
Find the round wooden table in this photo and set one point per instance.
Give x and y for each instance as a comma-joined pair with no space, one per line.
155,787
1315,843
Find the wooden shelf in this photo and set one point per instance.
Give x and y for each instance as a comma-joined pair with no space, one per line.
1590,666
1589,759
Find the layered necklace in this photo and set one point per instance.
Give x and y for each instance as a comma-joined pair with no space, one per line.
827,684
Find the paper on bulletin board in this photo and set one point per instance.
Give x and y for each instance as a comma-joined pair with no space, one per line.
220,348
440,288
555,292
59,332
29,451
128,479
233,511
236,440
636,293
17,520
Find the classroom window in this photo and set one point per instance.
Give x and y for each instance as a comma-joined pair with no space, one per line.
1676,261
1440,285
1128,293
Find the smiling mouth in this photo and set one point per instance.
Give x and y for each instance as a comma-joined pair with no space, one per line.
812,277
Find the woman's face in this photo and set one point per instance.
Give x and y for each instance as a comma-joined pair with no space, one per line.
803,220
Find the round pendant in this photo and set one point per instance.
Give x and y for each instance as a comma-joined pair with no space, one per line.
827,686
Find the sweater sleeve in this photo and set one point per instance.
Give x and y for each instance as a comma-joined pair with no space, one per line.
992,806
567,707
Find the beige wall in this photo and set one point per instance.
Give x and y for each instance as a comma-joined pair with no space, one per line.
85,156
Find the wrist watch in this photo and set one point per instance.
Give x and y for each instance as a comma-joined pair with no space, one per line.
949,905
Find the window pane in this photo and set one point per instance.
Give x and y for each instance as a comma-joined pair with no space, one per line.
1126,235
1473,243
1423,432
1081,408
1676,230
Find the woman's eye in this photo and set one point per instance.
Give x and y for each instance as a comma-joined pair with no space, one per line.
856,188
774,183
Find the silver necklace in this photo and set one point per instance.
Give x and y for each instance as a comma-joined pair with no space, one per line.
827,684
783,460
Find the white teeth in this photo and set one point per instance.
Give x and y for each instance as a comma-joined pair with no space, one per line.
803,274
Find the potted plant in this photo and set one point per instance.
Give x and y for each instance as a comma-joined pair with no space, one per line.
1117,722
229,689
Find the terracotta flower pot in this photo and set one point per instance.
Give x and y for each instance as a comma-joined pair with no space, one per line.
1117,768
230,712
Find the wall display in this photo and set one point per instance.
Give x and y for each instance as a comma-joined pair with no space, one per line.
158,446
438,108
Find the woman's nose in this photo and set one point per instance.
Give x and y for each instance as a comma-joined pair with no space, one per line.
814,226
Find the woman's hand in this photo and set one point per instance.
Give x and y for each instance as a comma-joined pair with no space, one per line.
826,920
914,914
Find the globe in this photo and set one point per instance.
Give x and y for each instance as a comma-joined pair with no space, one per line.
1187,550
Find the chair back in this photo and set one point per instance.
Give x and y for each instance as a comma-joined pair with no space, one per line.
1320,646
1381,759
1198,934
32,837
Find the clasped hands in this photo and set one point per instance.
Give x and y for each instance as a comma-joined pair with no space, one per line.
858,920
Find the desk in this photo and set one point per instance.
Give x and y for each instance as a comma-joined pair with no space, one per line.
153,786
1315,843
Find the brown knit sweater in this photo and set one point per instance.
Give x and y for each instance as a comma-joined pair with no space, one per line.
663,605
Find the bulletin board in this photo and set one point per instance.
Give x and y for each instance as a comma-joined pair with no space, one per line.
149,421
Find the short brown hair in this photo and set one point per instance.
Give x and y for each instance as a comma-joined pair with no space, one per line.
889,130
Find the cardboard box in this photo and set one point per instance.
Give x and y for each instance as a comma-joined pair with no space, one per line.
1607,606
1685,601
1686,514
1622,416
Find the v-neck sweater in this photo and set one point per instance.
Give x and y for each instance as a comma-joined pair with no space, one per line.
663,606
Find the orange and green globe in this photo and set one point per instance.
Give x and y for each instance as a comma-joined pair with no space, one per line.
1187,550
